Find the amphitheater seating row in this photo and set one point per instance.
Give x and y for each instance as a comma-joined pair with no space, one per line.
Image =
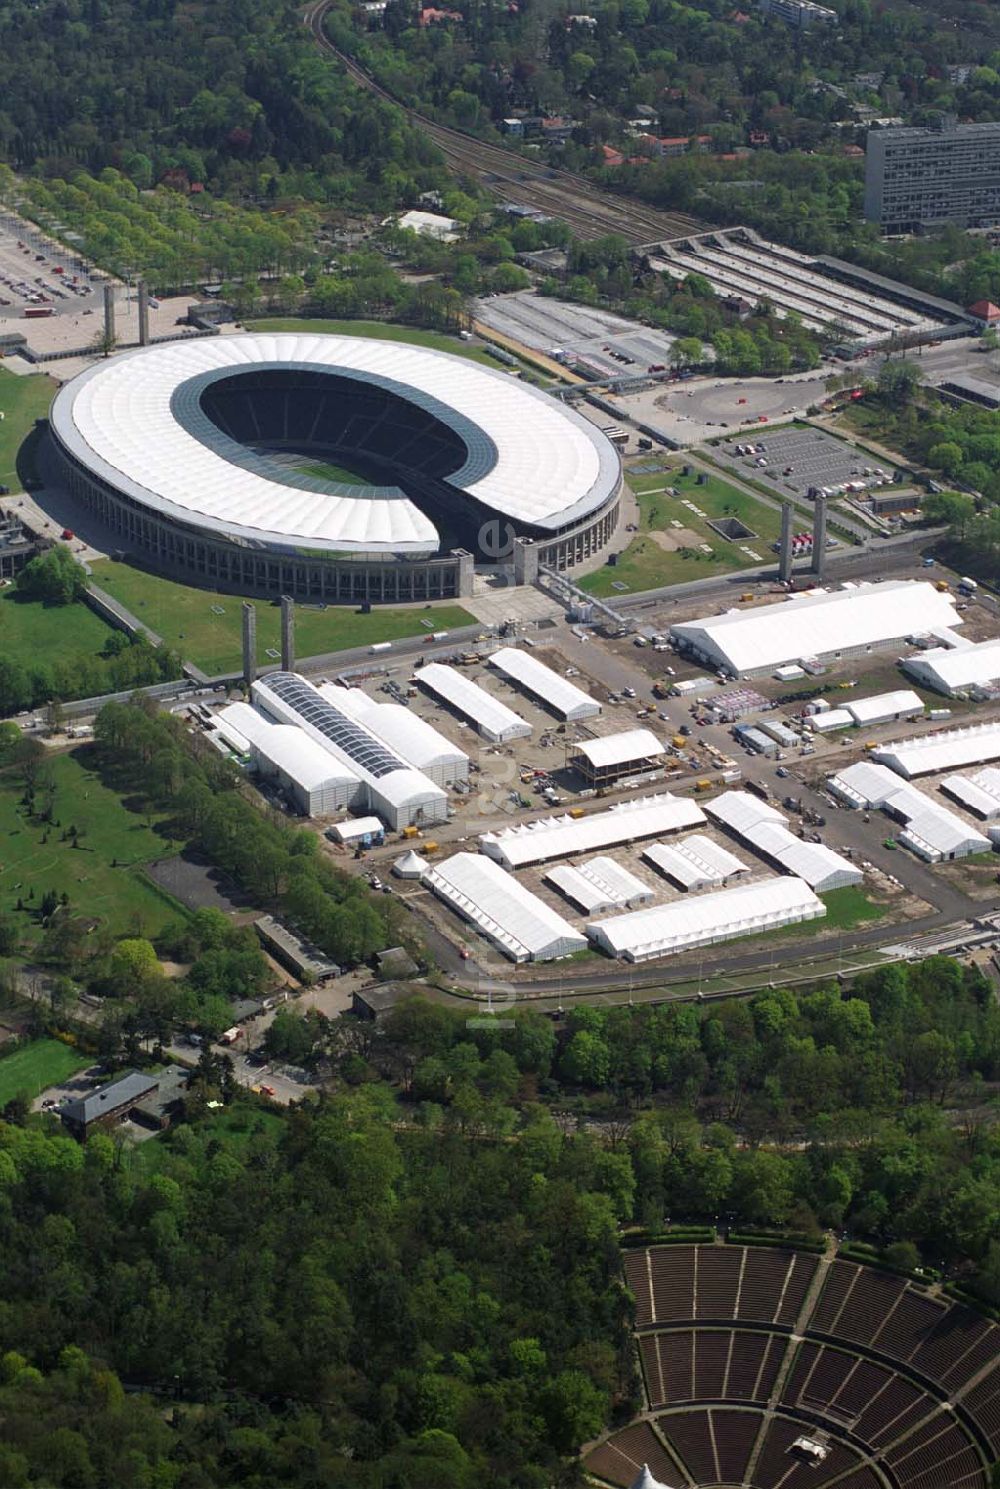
875,1403
619,1460
675,1284
935,1456
983,1403
776,1465
714,1446
710,1365
947,1343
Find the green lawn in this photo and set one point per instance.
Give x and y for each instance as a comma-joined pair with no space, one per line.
845,909
103,876
35,1066
647,565
31,632
185,618
22,401
379,331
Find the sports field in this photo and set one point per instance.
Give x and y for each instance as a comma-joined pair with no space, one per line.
22,401
677,556
31,632
102,876
206,628
30,1069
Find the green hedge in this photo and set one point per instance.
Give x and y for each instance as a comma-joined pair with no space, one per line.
962,1295
868,1256
681,1235
769,1238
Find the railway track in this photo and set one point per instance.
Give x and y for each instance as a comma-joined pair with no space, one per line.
589,211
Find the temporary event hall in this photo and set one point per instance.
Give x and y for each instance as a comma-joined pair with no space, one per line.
385,782
694,862
641,935
816,625
765,830
931,830
520,924
318,782
955,670
598,884
489,715
413,738
562,837
946,749
558,693
333,468
979,794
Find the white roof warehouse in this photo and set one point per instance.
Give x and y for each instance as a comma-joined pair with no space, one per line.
523,926
707,918
560,837
817,624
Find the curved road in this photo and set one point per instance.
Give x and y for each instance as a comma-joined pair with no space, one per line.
588,210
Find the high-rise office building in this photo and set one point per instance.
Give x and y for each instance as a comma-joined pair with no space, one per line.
920,178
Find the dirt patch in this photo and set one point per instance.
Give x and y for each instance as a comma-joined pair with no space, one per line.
675,538
199,885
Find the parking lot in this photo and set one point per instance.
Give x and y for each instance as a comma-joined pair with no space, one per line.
38,274
596,341
795,461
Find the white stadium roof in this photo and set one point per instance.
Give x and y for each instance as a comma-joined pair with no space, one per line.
559,837
135,421
931,830
623,748
746,910
817,623
598,884
901,703
766,830
491,716
946,749
523,926
694,862
558,692
952,669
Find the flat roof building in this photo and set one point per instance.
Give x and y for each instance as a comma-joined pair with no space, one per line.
561,837
317,782
746,910
920,178
817,624
606,759
558,693
884,708
502,909
490,716
801,15
294,951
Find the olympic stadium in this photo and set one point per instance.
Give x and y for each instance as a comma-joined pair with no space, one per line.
332,468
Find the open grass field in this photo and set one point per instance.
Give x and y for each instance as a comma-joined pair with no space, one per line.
327,471
43,1063
845,909
31,632
206,627
437,341
103,876
647,564
22,401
